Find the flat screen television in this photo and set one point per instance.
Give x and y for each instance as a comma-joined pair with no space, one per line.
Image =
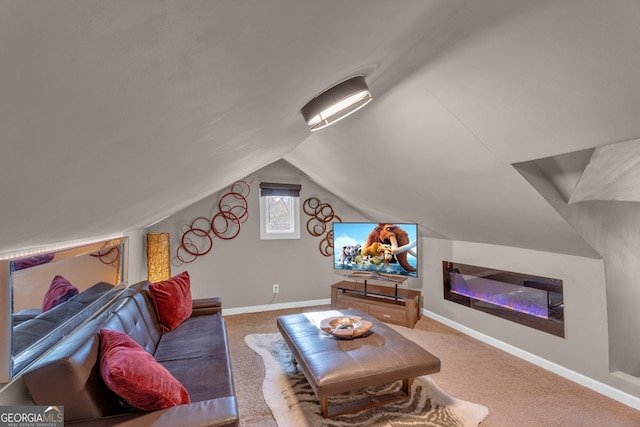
376,248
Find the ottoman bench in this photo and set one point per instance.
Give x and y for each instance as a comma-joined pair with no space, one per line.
333,365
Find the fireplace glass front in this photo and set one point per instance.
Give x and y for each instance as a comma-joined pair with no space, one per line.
530,300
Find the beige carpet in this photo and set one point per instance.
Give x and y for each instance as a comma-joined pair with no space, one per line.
293,402
517,392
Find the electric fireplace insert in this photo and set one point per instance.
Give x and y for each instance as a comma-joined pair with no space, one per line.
531,300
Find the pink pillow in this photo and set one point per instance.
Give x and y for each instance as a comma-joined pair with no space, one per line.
59,291
172,299
135,376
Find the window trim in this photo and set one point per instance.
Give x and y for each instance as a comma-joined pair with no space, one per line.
269,189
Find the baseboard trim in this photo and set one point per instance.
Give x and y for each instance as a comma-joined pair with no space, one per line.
271,307
576,377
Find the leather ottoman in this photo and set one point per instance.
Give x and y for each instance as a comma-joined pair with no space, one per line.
332,365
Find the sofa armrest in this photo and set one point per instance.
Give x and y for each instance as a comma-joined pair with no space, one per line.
205,306
220,412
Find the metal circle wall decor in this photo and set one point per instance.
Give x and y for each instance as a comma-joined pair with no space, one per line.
321,214
197,237
108,256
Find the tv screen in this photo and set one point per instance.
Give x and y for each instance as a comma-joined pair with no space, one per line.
376,248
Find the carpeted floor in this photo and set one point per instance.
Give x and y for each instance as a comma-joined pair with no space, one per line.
516,392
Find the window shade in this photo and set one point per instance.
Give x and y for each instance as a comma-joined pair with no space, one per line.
275,189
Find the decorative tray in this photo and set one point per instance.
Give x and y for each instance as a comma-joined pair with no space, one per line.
346,327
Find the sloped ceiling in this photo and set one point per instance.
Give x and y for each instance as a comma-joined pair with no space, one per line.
115,114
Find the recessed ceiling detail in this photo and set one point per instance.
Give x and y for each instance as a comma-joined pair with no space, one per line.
613,173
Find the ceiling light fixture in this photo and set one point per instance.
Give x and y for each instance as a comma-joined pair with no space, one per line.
336,103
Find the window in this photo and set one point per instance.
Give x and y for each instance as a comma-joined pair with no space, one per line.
279,211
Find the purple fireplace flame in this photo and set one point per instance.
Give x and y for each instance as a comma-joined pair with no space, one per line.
522,299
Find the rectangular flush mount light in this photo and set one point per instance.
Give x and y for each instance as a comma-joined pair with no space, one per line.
336,103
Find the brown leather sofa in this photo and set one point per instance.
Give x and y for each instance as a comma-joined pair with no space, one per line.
196,353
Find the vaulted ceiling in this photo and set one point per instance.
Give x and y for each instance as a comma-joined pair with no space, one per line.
115,114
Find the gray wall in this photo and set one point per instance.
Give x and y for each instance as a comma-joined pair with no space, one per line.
585,346
612,228
243,270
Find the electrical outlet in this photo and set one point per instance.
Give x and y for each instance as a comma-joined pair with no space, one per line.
276,288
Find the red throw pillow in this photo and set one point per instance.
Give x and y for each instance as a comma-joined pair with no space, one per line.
135,376
59,291
172,299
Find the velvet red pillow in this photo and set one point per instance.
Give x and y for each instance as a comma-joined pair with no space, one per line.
135,376
59,291
172,299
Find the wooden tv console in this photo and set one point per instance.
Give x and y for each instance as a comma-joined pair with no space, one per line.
386,303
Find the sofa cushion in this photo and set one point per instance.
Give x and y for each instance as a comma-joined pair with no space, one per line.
197,355
172,300
134,374
59,291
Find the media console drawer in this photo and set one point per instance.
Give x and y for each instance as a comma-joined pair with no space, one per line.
395,315
400,307
346,303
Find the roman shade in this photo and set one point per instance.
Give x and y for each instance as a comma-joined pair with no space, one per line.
275,189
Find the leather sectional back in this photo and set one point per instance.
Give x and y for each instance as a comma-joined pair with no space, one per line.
135,315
